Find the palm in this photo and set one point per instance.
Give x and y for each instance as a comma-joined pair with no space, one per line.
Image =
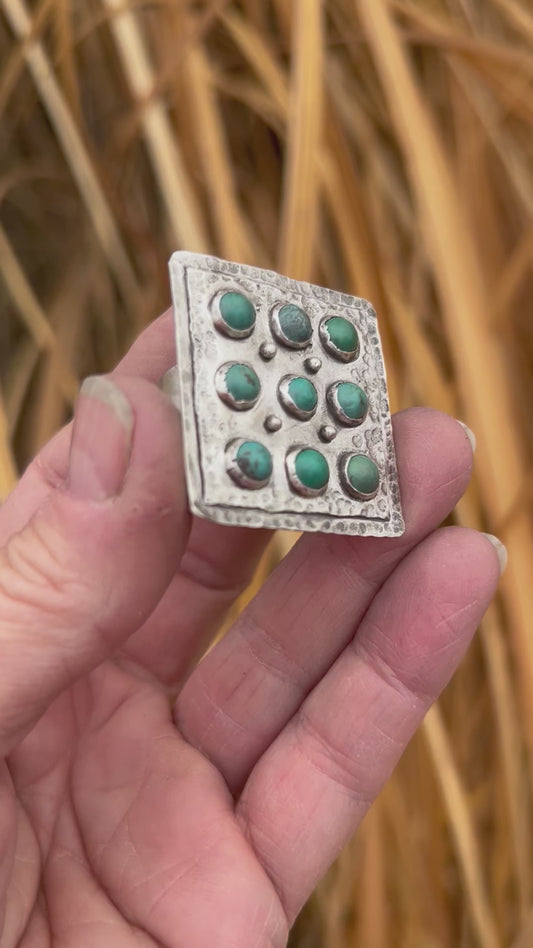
135,831
150,800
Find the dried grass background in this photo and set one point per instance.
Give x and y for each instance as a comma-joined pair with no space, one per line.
379,146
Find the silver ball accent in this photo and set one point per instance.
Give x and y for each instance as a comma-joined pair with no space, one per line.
272,423
267,351
313,365
327,433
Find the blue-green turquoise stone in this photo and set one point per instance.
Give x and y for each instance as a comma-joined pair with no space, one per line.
362,474
311,468
352,400
237,311
342,334
242,382
254,460
295,324
303,394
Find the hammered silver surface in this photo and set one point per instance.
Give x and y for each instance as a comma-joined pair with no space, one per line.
209,424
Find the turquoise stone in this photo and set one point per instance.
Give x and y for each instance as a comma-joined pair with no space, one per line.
352,400
237,311
242,383
254,460
311,468
303,394
341,335
295,324
362,474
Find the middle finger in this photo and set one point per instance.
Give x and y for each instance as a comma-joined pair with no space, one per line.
247,688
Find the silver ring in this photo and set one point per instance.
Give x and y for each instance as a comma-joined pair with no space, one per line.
282,391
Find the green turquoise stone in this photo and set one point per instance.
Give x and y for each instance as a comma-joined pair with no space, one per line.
303,394
342,334
237,311
242,383
362,474
352,400
295,324
311,468
254,460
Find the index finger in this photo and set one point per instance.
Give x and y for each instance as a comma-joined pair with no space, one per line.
153,353
218,561
150,356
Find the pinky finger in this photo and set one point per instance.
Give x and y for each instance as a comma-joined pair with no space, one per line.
310,790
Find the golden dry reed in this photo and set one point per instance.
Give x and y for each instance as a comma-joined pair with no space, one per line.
379,146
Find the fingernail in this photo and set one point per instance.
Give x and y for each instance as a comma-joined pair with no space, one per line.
469,434
501,550
101,440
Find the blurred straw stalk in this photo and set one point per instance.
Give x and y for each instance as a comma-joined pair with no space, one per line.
381,147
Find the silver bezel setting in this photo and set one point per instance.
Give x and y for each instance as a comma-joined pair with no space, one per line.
343,465
330,346
235,471
220,323
293,479
337,411
287,402
207,424
278,331
227,397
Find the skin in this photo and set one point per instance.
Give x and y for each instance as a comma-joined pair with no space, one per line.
146,799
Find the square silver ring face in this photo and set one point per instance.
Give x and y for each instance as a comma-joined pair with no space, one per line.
282,391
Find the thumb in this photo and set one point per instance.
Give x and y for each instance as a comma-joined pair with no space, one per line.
92,563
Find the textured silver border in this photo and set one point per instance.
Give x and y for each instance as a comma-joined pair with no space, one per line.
381,517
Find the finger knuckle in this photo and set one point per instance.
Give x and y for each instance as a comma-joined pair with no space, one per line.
39,572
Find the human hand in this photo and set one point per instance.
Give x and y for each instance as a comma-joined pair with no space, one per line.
129,817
